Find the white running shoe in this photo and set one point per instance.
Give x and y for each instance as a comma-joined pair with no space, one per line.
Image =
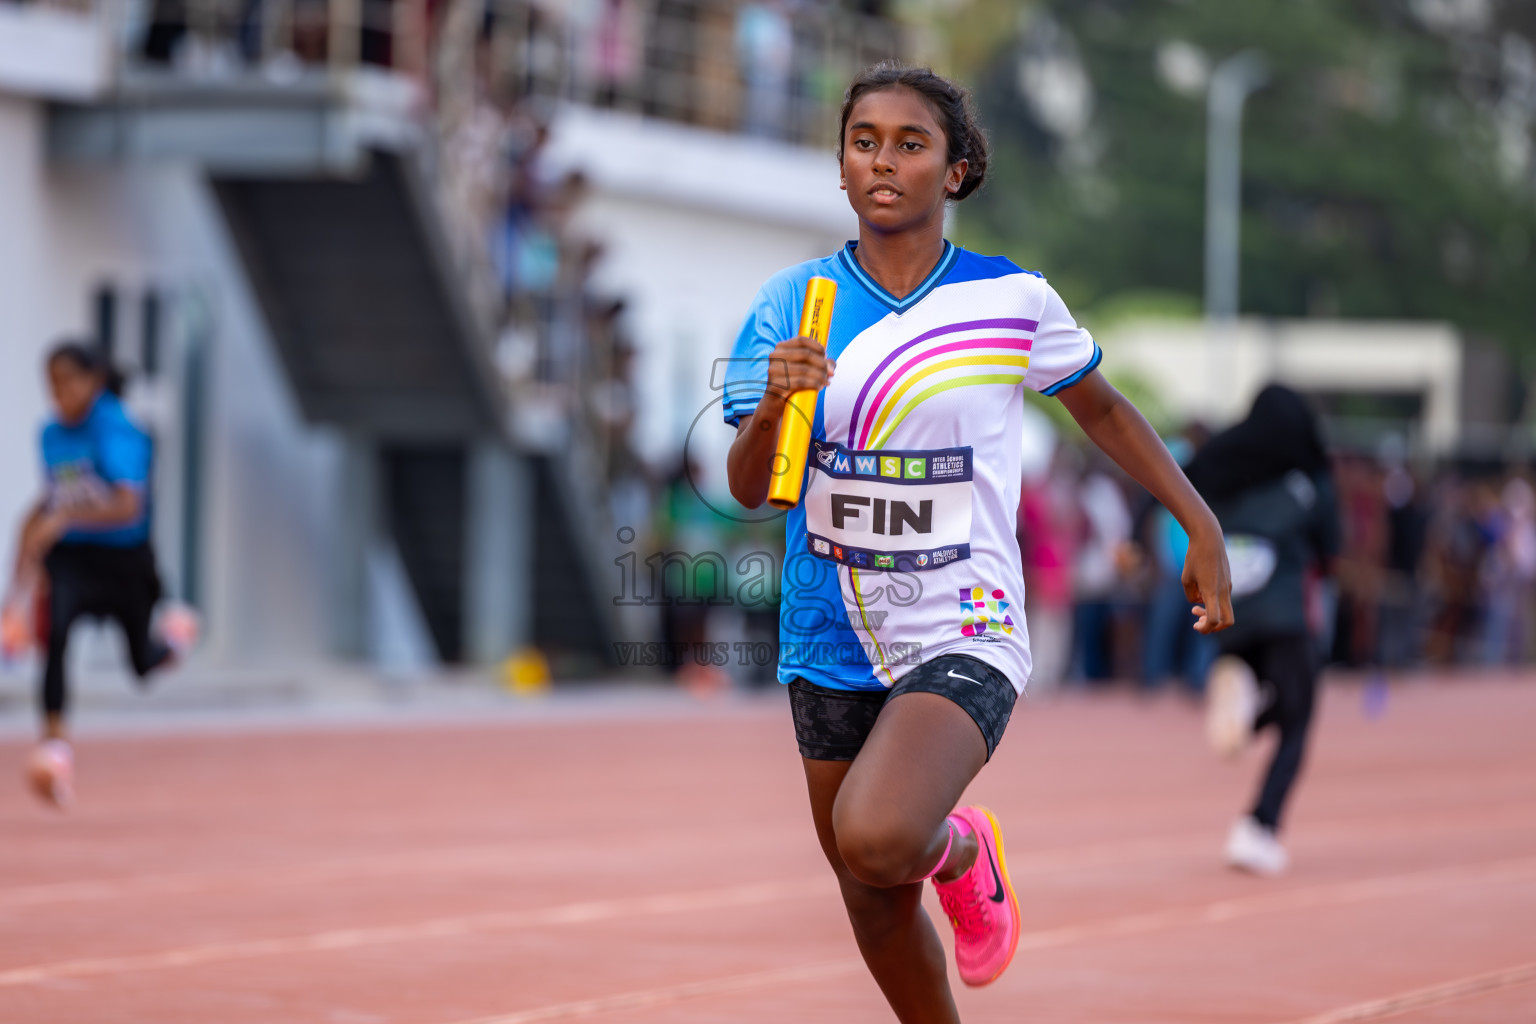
51,772
1252,847
1231,705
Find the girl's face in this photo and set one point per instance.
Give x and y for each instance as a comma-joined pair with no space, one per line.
74,390
894,161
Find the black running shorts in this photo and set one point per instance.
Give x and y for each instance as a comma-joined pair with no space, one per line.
832,725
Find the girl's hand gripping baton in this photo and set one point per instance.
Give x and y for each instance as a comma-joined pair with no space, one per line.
788,470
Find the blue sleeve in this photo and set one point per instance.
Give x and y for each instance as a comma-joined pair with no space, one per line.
767,324
45,447
122,452
1063,353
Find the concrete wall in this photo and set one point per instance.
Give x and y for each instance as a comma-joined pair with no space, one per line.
24,325
49,52
1214,371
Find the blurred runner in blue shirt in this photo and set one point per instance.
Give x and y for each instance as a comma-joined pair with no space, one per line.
84,549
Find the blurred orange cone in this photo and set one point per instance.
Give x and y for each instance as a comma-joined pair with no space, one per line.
704,681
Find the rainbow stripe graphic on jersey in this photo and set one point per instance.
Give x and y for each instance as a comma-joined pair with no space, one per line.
1005,352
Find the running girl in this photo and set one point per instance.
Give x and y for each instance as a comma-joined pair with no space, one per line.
1269,482
85,545
904,645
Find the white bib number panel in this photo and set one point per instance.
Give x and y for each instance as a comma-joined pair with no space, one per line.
902,511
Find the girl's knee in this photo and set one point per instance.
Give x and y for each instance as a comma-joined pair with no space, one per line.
880,852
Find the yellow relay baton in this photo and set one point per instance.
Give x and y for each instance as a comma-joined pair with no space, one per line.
788,469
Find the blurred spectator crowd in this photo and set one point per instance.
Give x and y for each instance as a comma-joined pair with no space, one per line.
1437,567
774,68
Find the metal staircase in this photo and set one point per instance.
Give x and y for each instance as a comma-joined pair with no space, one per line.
361,302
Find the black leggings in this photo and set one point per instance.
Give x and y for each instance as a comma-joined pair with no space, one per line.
101,582
1287,672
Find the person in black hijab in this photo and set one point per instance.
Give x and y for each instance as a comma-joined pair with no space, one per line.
1269,483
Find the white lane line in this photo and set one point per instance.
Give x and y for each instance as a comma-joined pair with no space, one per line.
1422,998
496,858
1132,924
519,858
750,895
697,900
1319,896
651,998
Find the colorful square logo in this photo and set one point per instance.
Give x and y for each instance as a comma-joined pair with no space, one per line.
983,611
864,464
885,561
890,465
915,469
840,464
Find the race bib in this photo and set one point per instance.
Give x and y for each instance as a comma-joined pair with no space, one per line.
905,511
1252,561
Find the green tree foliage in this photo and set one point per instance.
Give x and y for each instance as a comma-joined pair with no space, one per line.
1387,169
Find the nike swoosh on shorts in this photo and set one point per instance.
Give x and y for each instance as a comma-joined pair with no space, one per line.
956,675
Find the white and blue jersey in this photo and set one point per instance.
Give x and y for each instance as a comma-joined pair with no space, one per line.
902,548
85,462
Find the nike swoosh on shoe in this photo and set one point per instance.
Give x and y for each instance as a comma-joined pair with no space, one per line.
997,880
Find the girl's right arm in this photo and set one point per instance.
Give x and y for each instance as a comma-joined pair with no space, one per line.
24,572
798,364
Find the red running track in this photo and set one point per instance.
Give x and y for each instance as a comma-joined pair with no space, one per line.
655,867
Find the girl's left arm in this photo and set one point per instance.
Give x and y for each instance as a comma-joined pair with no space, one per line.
1122,433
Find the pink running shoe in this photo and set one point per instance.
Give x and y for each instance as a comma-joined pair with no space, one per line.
51,772
981,905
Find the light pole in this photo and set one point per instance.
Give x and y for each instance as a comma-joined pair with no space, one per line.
1232,82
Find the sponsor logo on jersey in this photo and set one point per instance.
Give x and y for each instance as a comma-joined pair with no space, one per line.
864,464
890,465
922,560
984,613
944,555
948,467
837,553
826,455
821,546
840,464
914,469
859,558
885,561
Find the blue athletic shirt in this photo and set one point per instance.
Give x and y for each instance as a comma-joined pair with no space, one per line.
85,462
902,548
